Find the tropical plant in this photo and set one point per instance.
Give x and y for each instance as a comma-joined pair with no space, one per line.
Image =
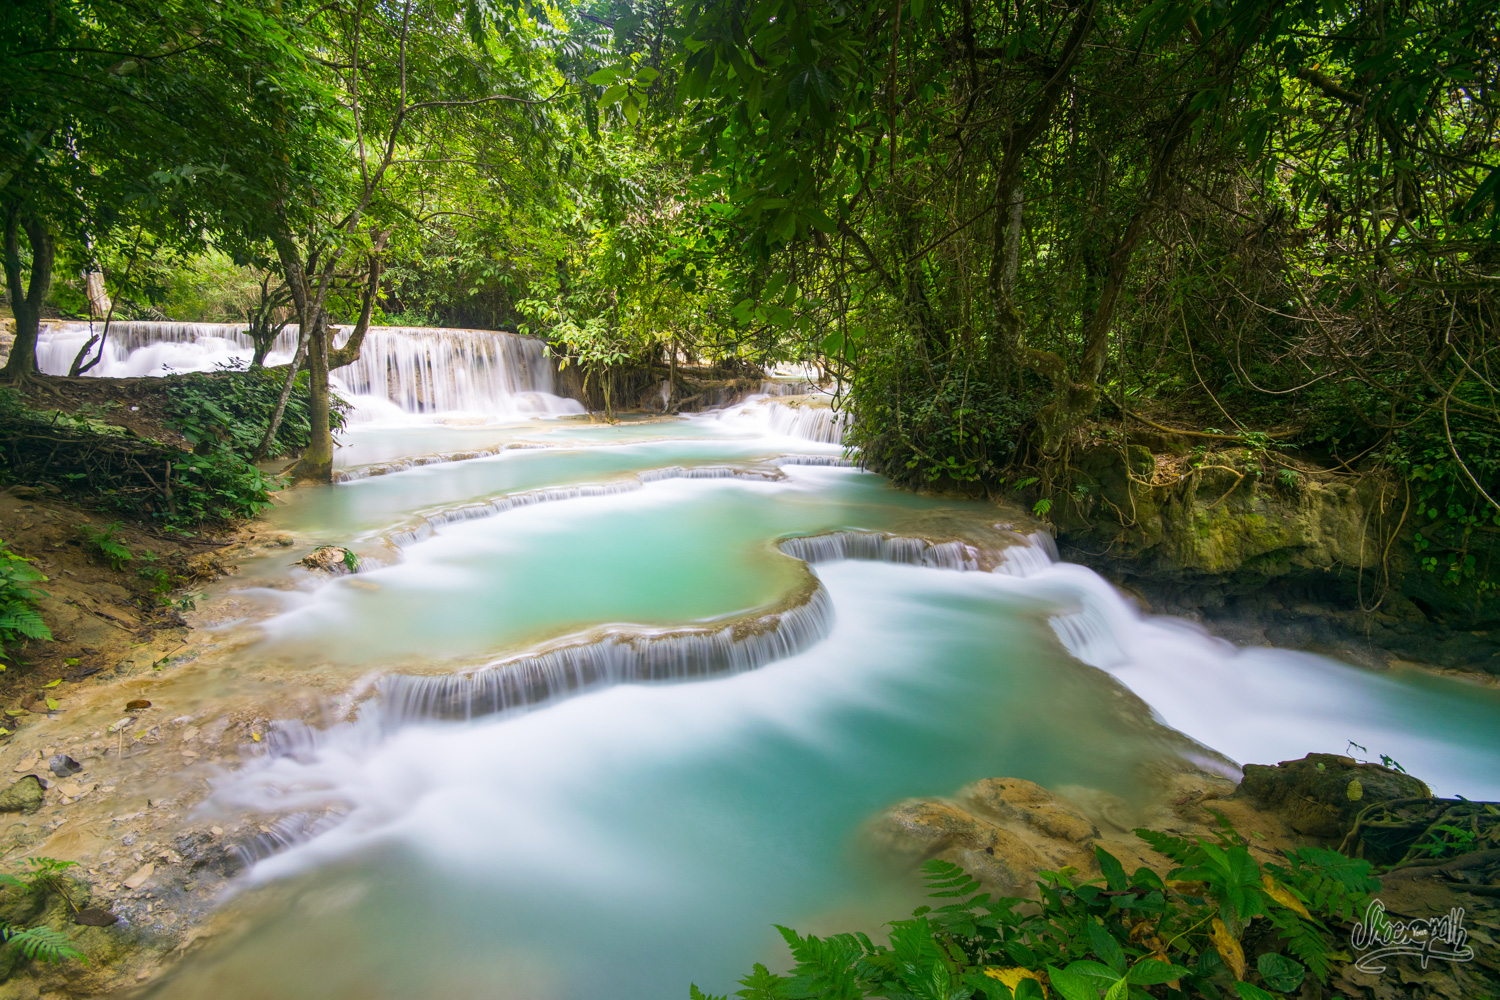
1117,936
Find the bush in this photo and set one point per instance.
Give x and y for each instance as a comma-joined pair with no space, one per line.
233,405
1120,935
936,423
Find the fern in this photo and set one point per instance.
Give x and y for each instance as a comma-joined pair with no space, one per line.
1303,940
41,943
19,618
1179,849
1334,885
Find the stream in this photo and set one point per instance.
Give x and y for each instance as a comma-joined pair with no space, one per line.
621,697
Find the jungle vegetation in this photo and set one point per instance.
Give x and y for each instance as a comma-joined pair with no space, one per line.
1006,230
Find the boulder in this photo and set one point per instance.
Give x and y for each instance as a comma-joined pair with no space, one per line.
1321,794
24,796
1019,800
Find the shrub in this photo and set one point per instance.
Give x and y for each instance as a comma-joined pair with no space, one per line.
1120,935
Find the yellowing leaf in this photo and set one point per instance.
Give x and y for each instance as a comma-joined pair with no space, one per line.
255,737
1228,947
1356,791
1012,977
51,704
1284,896
53,684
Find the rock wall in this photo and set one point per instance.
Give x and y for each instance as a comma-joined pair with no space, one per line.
1324,563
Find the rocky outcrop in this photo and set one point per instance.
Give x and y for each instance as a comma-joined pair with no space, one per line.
1322,794
331,559
1323,563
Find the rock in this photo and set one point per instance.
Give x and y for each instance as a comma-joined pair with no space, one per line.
95,917
1018,800
137,705
1321,794
24,796
64,766
331,559
918,829
142,873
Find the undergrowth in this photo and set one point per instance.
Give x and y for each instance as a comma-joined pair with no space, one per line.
1121,936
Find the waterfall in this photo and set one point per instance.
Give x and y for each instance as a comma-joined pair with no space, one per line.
616,658
882,548
811,419
401,370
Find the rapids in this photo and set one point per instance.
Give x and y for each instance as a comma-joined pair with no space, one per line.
616,698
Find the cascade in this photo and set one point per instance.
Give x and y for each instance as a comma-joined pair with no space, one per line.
811,420
616,658
401,370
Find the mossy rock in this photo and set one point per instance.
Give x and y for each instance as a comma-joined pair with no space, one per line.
1321,794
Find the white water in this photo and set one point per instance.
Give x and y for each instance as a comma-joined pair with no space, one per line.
401,371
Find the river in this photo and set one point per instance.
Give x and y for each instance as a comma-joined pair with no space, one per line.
613,699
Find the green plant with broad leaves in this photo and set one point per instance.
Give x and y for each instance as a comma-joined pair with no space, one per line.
1117,936
19,618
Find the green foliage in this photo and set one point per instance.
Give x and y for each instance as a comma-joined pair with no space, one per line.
928,424
42,943
19,617
1135,935
41,875
101,542
230,409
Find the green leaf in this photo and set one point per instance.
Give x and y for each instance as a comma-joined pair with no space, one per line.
1282,974
1154,972
1071,985
1114,872
1106,947
605,76
1249,992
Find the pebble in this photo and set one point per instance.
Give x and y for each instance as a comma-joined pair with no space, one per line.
142,873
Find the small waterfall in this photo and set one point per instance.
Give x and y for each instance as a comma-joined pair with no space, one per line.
618,658
418,369
448,371
810,421
882,548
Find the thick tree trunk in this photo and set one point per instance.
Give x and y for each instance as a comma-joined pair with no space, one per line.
317,461
27,303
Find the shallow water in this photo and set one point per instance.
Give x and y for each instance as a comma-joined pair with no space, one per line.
624,839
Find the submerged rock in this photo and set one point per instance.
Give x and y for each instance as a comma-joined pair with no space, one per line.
24,796
333,559
64,766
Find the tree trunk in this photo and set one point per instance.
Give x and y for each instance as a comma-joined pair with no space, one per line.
26,305
317,461
98,296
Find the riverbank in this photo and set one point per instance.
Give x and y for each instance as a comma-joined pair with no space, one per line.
1265,549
